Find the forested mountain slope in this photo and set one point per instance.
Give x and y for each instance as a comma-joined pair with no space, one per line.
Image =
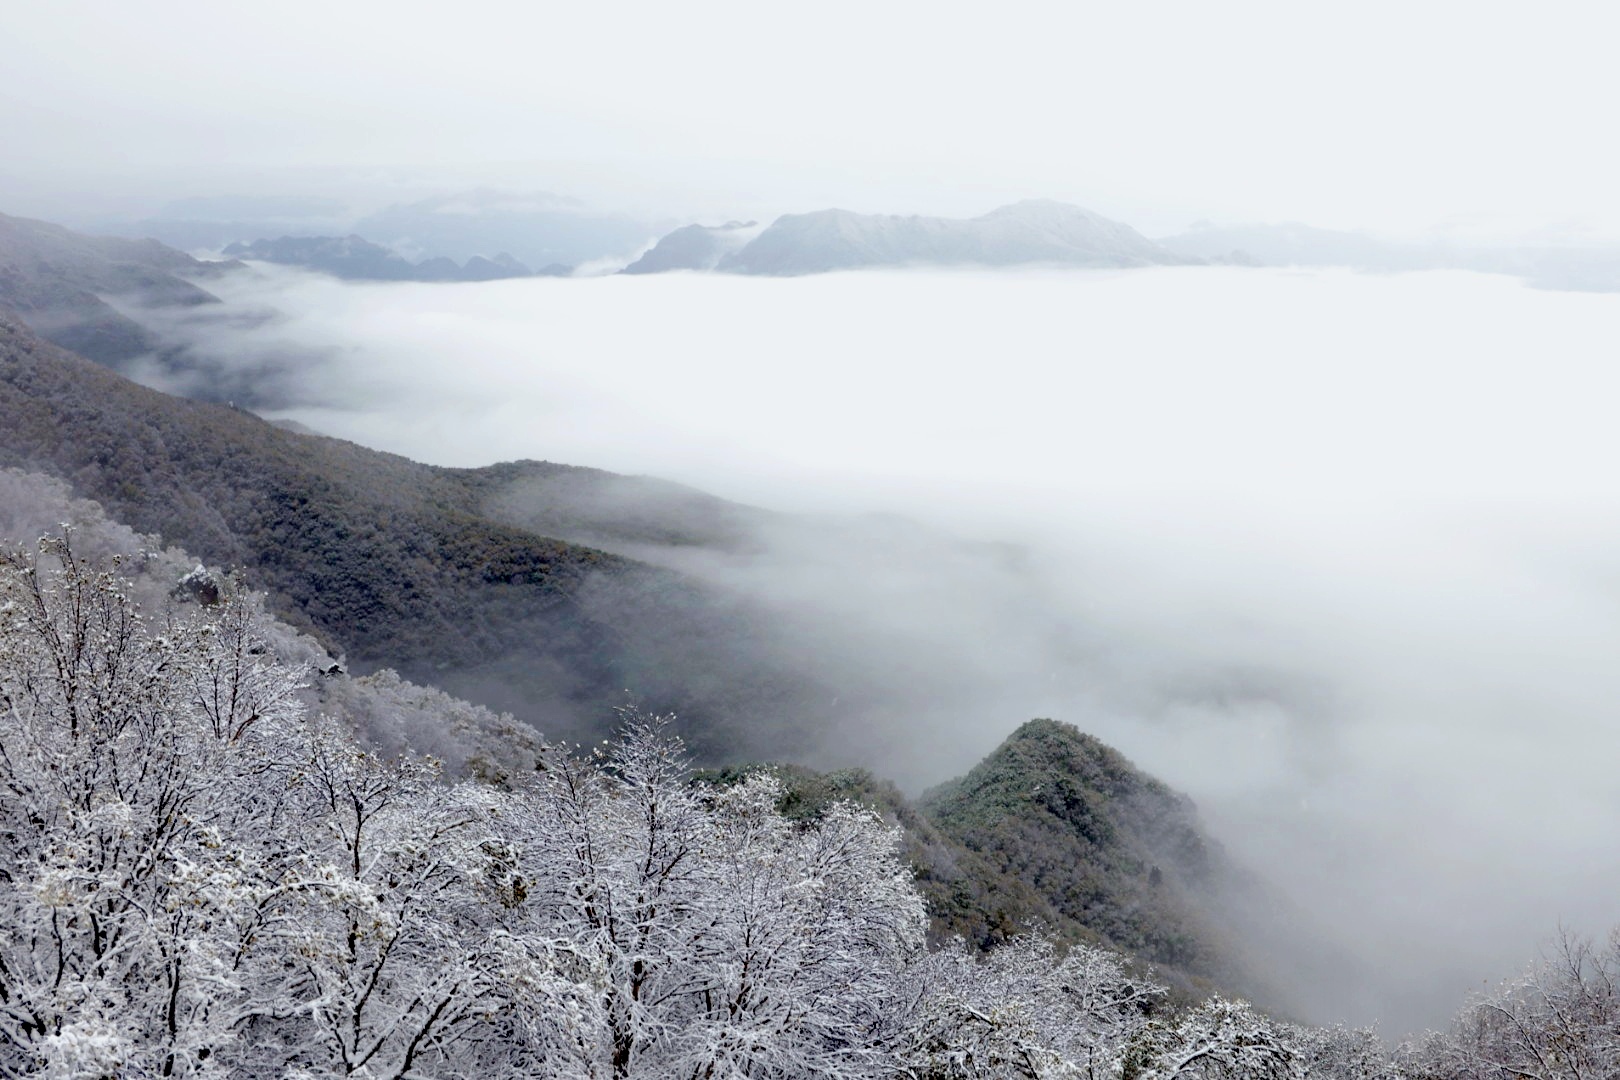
55,280
421,568
1058,830
1116,854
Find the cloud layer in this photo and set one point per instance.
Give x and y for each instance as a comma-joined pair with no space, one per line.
1334,553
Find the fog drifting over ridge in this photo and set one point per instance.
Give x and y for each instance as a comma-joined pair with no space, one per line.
1336,552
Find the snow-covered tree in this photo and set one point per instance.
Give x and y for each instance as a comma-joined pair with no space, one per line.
121,825
808,939
1559,1020
1024,1010
1220,1038
385,961
717,937
1338,1052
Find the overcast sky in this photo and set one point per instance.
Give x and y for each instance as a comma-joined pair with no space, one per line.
1393,116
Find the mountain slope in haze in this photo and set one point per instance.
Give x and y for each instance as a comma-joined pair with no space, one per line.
388,713
694,247
413,567
610,511
55,280
538,228
119,302
211,222
1036,231
1589,267
1113,851
355,258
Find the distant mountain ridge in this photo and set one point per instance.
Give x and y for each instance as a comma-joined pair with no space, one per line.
538,228
694,247
1574,267
449,237
355,258
1033,232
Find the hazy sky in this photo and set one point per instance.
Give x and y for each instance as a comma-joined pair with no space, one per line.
1374,114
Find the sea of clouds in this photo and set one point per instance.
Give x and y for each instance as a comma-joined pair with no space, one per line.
1336,554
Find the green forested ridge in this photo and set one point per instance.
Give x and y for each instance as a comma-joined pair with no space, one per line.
966,896
1112,849
596,507
361,542
1056,829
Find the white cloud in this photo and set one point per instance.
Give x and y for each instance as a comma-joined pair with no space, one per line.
1332,552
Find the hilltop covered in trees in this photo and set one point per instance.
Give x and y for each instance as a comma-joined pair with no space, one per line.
1056,829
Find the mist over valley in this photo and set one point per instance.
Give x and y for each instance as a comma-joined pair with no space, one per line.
896,542
1310,545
